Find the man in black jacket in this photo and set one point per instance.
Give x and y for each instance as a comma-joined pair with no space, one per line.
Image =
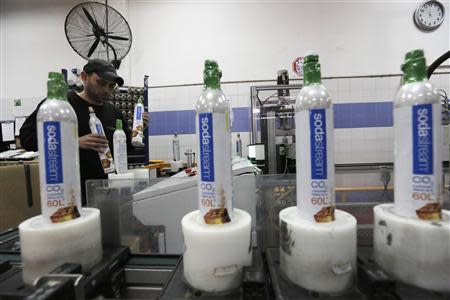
99,79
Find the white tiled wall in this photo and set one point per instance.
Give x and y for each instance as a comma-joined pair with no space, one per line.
356,145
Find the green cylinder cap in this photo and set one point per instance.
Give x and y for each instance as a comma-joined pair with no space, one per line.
414,54
56,86
311,70
211,74
414,68
118,124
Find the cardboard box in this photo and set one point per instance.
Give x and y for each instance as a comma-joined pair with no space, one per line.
19,193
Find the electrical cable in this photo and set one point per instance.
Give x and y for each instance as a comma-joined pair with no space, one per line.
437,63
264,102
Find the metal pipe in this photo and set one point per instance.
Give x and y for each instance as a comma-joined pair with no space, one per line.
363,189
294,79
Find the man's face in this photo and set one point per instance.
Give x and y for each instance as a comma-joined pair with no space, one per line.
97,89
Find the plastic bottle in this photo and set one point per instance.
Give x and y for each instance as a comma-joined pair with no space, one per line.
418,143
137,139
120,149
176,147
59,167
106,158
214,148
314,146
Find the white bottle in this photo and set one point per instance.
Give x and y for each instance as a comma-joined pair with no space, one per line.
418,143
214,148
137,133
176,147
120,149
106,158
314,146
59,167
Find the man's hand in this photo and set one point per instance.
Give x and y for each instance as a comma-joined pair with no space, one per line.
146,118
93,141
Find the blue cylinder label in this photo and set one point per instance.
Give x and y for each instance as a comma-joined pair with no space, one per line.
422,120
318,136
206,146
99,129
53,158
315,164
214,181
139,112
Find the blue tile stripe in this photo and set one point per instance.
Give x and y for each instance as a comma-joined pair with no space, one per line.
346,115
359,115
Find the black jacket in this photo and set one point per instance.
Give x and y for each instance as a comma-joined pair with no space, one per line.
90,166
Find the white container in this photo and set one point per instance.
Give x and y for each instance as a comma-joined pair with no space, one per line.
319,257
46,246
314,147
413,251
59,167
106,158
214,148
214,255
176,148
120,149
137,133
417,144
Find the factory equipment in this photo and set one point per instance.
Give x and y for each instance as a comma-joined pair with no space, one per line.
273,122
134,265
273,125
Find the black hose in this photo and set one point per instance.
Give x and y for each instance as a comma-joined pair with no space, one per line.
437,63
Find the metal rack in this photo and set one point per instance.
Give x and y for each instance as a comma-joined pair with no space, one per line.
275,107
125,98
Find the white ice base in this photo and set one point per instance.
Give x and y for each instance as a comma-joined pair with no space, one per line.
46,246
215,254
413,251
319,257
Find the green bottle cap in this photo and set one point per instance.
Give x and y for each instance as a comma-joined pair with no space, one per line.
311,70
55,75
118,124
414,68
56,86
211,74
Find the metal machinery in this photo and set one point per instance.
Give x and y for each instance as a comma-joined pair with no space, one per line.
273,125
136,265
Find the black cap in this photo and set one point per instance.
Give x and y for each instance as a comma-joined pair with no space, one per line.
104,70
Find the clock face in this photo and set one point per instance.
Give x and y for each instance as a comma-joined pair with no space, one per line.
429,15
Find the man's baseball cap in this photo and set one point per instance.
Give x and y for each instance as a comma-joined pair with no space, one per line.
104,70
